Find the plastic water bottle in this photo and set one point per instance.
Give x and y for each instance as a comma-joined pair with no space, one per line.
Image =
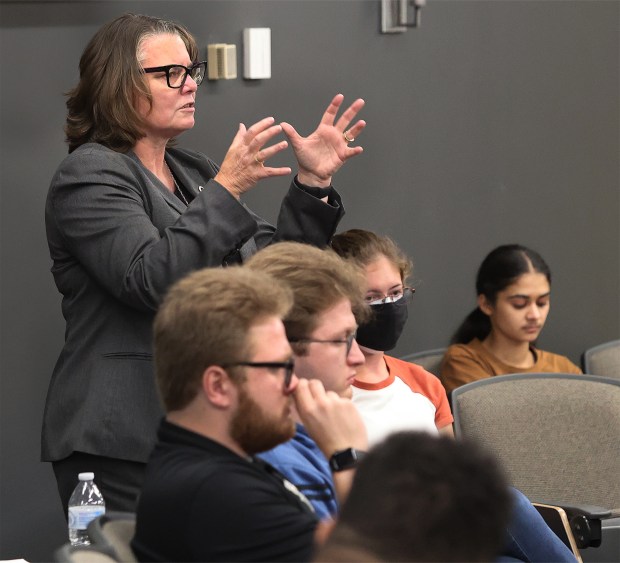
85,504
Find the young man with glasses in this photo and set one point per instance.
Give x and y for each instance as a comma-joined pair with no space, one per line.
321,326
226,377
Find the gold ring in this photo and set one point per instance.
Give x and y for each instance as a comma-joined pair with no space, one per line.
258,160
347,138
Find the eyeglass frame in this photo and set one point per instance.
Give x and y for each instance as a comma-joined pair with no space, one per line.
407,294
348,341
166,69
288,366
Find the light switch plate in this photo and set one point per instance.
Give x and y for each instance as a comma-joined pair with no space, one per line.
257,53
221,61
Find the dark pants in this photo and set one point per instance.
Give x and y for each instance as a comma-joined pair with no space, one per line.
118,480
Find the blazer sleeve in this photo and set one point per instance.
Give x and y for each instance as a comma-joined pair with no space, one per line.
99,212
302,218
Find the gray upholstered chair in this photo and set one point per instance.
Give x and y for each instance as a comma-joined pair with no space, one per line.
113,532
430,360
558,438
603,359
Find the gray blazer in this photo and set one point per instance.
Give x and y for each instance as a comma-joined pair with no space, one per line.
118,239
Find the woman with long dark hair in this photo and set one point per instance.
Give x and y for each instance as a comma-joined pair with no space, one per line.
514,291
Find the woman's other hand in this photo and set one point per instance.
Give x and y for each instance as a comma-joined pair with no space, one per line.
321,154
244,163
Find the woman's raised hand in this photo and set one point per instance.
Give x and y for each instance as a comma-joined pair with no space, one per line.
244,163
321,154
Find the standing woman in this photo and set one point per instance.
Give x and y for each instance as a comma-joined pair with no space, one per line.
127,215
514,292
390,394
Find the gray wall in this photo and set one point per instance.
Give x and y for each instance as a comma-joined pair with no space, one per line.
494,122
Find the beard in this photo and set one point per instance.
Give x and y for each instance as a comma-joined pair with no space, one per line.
256,431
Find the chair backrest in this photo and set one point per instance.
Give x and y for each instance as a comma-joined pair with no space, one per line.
603,359
557,435
430,360
114,531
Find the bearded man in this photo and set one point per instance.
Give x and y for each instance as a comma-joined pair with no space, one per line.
225,374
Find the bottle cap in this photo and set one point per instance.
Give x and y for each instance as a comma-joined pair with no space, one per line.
86,476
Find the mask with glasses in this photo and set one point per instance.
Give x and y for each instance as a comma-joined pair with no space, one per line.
389,316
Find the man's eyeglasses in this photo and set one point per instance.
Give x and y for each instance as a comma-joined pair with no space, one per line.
288,367
176,75
348,341
392,297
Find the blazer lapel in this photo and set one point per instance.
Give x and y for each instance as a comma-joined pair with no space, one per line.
172,200
188,185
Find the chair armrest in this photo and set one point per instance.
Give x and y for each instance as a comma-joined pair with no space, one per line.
588,510
585,522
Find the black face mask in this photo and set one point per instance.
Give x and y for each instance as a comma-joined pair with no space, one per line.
385,327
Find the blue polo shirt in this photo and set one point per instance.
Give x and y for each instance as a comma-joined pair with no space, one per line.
301,461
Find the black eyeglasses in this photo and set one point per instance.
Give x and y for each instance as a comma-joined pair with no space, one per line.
288,367
176,75
348,341
392,297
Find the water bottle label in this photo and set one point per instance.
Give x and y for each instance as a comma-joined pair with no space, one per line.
80,516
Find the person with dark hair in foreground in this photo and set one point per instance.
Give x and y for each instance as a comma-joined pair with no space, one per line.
128,214
225,374
513,285
417,497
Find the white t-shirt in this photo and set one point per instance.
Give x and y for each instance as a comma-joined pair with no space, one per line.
393,408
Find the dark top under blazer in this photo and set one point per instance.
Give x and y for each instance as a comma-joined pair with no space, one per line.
118,239
202,502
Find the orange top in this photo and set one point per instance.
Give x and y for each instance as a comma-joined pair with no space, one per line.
419,381
464,363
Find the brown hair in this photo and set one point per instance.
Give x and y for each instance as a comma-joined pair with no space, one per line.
364,247
204,320
319,280
101,106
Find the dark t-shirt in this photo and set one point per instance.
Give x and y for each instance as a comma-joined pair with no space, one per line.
202,502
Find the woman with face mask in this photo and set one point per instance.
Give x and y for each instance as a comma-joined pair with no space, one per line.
390,394
514,288
393,395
